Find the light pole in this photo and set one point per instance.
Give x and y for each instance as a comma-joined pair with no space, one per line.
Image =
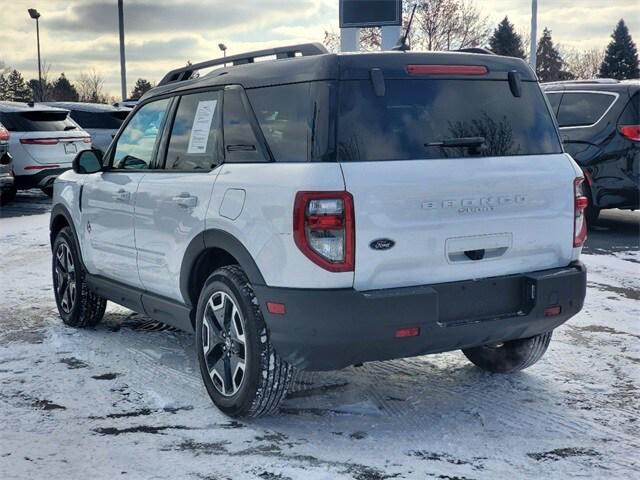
123,67
223,47
33,13
534,34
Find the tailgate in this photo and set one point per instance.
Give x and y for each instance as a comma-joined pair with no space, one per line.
55,147
459,219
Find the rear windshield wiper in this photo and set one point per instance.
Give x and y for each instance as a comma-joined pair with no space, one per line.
470,142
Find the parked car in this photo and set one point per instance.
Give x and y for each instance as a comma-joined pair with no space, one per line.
100,120
7,185
43,142
126,103
320,210
599,122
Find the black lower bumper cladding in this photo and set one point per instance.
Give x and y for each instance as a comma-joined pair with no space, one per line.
332,329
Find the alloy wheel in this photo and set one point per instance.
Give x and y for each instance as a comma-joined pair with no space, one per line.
223,343
65,278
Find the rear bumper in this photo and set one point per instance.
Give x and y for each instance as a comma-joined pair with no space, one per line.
39,179
332,329
6,181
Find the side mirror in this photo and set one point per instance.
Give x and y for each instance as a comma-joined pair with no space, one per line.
5,159
88,161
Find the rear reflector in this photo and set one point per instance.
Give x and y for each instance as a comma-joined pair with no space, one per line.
447,70
552,311
632,132
276,308
407,332
40,167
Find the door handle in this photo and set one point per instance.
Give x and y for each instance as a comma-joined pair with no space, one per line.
121,196
185,200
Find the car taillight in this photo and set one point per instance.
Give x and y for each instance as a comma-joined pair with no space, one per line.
580,203
632,132
39,141
447,70
324,229
86,139
4,134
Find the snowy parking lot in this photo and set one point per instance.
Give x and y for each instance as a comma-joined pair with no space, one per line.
125,399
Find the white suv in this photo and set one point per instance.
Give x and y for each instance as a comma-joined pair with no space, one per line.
322,210
43,142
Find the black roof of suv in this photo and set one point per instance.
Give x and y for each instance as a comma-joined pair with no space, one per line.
599,122
312,62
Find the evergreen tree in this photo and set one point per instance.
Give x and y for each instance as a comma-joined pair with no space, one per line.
63,90
18,91
549,63
4,88
621,58
505,41
140,88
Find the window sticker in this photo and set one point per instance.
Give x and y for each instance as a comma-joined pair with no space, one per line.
201,126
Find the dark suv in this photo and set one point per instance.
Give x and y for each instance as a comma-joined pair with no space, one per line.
599,122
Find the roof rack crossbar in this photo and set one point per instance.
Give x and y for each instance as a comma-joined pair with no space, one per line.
303,49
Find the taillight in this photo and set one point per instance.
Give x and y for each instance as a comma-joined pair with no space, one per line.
580,204
4,134
86,139
447,70
632,132
39,141
324,229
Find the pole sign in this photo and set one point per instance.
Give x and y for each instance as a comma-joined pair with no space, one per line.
370,13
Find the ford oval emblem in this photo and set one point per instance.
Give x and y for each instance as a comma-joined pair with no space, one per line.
382,244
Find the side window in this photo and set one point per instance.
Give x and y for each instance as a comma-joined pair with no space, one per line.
240,142
195,134
554,101
286,117
583,108
139,139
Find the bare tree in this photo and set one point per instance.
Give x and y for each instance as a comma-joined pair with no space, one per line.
90,87
584,64
438,25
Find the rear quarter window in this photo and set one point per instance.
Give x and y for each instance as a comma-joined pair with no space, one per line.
581,109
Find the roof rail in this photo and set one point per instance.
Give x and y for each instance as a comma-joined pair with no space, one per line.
185,73
594,80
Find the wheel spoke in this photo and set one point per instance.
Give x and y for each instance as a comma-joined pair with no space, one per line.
237,368
210,334
218,375
236,330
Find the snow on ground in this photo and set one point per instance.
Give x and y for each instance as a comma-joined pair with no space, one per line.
125,399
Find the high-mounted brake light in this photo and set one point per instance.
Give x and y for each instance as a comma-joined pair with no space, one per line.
447,70
581,202
4,134
632,132
324,229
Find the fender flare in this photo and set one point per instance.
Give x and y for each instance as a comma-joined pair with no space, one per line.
60,210
214,238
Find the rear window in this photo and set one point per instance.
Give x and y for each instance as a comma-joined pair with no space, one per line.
37,121
106,120
631,113
411,114
579,109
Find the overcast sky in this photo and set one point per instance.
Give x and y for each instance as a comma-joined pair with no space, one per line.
81,35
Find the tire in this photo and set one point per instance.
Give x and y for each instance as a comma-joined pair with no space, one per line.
78,306
592,212
511,356
8,196
243,374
